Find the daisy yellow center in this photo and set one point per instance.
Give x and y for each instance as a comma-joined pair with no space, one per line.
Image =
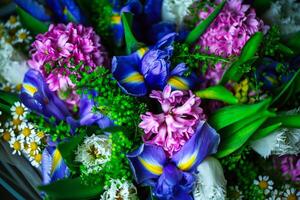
6,136
38,158
26,132
40,134
17,146
12,20
263,185
7,89
33,146
292,197
23,36
16,122
19,87
19,110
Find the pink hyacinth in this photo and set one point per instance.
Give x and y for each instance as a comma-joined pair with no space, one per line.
231,29
172,128
57,52
228,34
290,167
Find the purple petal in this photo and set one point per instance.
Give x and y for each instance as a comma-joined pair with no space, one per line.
203,143
147,162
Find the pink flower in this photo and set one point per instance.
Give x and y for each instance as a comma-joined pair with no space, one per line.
172,128
290,166
228,34
231,29
56,52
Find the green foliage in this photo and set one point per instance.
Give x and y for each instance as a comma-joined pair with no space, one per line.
125,110
102,14
271,42
58,131
71,189
217,92
194,59
236,70
35,26
200,29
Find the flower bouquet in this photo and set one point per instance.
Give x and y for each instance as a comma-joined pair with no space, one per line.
144,99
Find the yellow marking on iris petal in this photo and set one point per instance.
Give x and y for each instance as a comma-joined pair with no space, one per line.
56,160
178,83
154,169
272,80
141,52
187,164
134,77
116,19
30,89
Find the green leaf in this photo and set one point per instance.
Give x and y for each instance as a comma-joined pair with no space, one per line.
218,92
231,114
238,139
247,55
294,42
4,108
285,49
290,121
263,132
195,34
35,26
71,189
229,130
68,148
288,90
8,97
131,43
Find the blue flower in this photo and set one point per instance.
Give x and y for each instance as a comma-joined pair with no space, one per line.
173,178
36,95
146,70
61,10
147,25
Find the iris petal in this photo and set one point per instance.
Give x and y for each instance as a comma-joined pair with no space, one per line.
34,8
203,143
147,162
125,71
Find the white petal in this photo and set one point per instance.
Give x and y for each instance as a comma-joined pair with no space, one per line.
211,183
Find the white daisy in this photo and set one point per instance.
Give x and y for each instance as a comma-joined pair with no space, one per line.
15,123
12,22
7,134
17,144
27,131
22,36
94,152
235,193
33,146
264,183
275,195
291,194
36,159
7,87
119,189
18,110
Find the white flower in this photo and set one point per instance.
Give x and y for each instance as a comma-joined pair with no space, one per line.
285,14
22,36
13,65
119,189
36,159
17,144
94,152
275,195
174,11
15,123
12,22
7,134
235,193
18,110
7,87
291,194
210,183
33,146
280,142
264,184
27,131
